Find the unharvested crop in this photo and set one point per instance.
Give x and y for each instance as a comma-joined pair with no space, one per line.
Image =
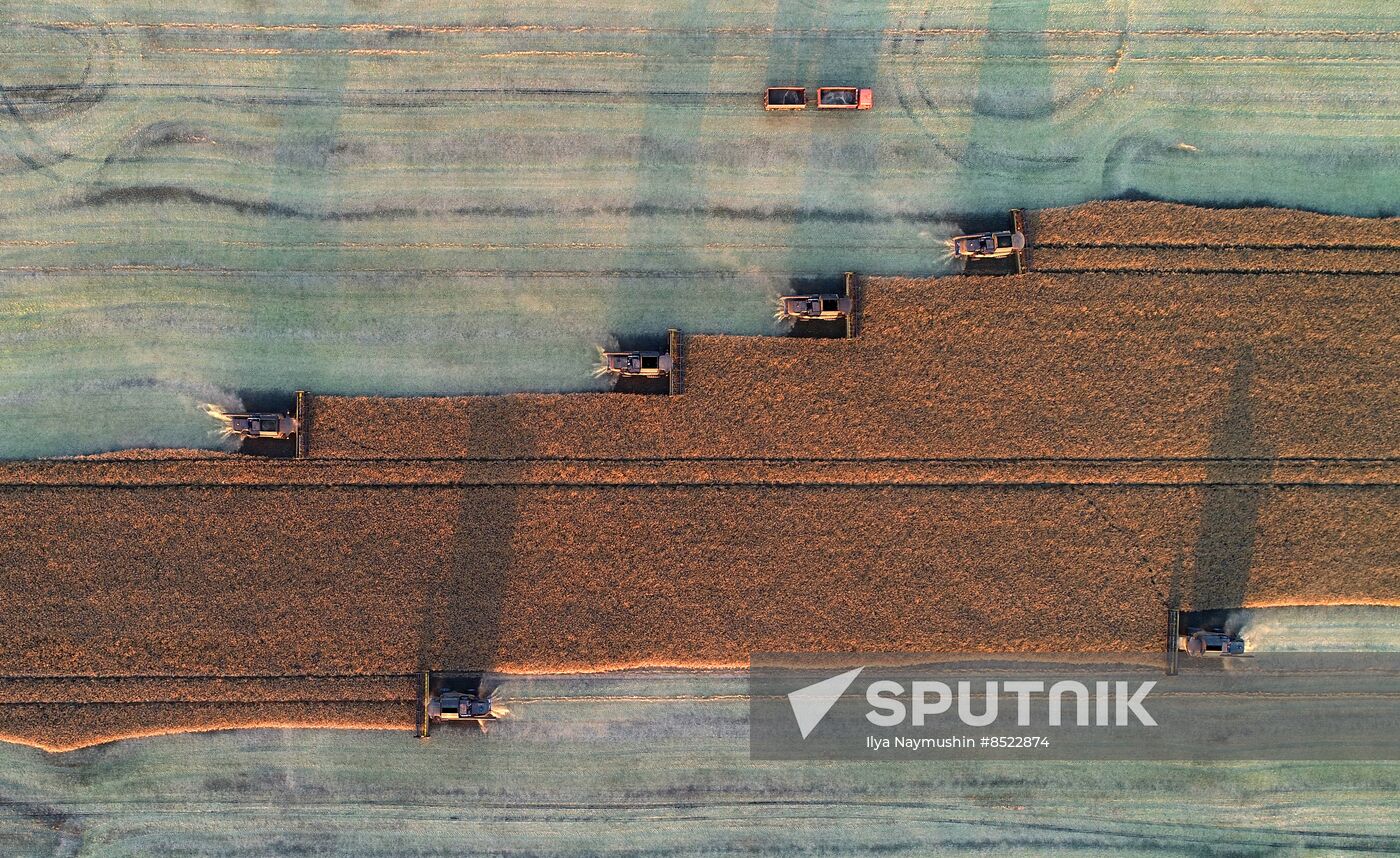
63,726
367,585
353,581
1136,224
1180,260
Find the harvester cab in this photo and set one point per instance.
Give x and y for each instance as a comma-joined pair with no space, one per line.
1211,642
460,706
638,364
815,308
262,425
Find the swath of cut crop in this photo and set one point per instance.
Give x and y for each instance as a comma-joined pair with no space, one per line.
66,727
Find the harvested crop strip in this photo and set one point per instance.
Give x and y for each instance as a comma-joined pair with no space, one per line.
418,198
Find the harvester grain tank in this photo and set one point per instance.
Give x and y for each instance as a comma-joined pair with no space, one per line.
453,696
992,252
989,245
461,706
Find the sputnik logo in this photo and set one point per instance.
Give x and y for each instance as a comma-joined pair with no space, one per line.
811,703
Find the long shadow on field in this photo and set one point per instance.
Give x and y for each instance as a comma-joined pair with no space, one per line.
843,155
666,222
1230,513
792,57
1013,81
464,610
302,179
1013,90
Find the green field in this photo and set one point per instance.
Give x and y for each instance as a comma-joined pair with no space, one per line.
201,199
656,766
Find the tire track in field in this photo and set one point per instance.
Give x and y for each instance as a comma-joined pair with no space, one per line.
160,194
67,826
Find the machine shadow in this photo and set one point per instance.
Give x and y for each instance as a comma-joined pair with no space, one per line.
1224,551
463,612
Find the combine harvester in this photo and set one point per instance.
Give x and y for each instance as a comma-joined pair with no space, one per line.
641,370
266,433
638,364
815,308
821,314
449,697
1208,640
990,247
261,425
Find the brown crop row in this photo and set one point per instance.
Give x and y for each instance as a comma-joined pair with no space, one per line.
460,473
1198,259
390,581
206,689
1139,223
63,727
